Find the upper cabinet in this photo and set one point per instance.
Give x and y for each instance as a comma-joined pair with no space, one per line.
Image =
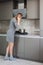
29,9
33,9
19,6
6,10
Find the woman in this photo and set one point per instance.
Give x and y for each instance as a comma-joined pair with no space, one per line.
14,23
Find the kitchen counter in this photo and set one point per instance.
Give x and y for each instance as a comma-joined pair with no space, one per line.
26,36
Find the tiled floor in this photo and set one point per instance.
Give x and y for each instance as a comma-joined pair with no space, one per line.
17,62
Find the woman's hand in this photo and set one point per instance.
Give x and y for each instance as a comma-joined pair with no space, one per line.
19,20
19,17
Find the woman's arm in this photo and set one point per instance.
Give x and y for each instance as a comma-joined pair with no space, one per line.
15,23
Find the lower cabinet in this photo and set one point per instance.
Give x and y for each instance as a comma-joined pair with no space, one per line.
27,48
41,50
19,44
3,45
32,48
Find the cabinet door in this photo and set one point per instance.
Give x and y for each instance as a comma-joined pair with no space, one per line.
41,18
6,10
32,9
19,47
41,50
3,44
32,48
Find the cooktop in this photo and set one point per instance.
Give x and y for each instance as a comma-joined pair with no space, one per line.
24,33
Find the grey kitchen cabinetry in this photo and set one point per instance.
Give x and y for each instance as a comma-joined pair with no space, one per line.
32,9
41,50
27,48
18,49
6,10
32,48
3,45
19,41
41,18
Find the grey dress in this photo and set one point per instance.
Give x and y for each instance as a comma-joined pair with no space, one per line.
11,31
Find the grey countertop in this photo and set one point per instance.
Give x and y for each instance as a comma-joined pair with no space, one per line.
26,36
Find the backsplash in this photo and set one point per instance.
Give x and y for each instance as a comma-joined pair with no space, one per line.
29,25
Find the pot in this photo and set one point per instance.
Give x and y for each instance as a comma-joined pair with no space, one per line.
22,30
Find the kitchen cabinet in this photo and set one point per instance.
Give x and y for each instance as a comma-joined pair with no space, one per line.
18,46
32,48
19,6
32,9
41,30
6,10
41,50
19,41
3,45
27,48
41,18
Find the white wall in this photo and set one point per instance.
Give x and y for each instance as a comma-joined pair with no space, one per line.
6,10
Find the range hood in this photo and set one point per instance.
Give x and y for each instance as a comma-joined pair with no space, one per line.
23,11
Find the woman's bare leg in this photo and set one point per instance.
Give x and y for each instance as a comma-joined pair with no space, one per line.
8,49
11,49
7,52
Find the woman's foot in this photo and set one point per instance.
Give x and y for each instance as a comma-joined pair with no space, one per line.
6,58
12,58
